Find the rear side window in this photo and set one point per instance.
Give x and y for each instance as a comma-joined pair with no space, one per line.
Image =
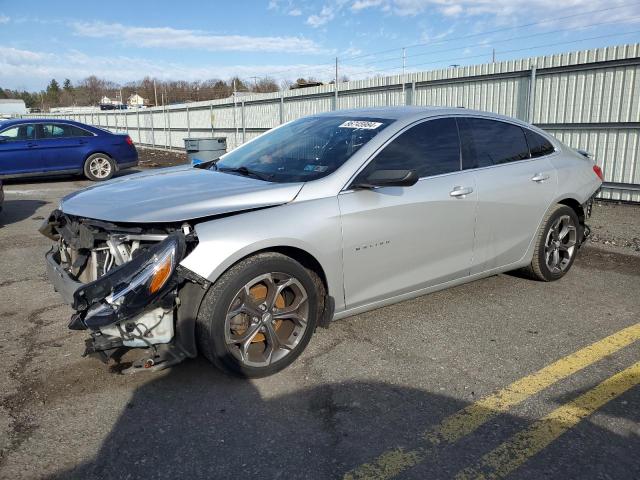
19,133
538,145
61,130
490,142
430,148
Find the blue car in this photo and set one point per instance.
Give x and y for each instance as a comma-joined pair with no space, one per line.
30,147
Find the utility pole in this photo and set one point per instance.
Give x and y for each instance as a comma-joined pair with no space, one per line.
404,59
155,92
255,83
493,56
336,85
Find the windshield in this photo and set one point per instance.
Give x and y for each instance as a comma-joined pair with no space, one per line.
303,150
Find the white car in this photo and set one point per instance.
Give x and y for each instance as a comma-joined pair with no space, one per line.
321,218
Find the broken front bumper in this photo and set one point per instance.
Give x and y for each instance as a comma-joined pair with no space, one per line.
58,276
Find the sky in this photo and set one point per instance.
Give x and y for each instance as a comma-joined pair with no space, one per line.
286,39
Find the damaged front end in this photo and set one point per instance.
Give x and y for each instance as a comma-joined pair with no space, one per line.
125,284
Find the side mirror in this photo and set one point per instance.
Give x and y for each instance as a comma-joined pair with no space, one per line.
387,178
3,139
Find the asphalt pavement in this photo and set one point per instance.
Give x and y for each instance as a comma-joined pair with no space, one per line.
500,378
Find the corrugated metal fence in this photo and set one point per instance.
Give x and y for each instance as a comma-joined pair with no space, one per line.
588,99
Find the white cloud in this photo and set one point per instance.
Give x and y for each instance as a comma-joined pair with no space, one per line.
363,4
295,12
4,19
325,16
33,69
504,10
167,37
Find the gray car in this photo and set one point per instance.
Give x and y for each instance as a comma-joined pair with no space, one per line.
321,218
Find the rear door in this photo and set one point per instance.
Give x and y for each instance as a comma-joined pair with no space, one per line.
514,188
19,152
63,146
401,239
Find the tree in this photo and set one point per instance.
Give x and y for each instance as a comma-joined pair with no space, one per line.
53,92
67,85
266,85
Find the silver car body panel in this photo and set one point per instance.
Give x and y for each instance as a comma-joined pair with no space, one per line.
174,195
375,247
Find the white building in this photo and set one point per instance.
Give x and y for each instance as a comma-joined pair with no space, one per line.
136,100
12,107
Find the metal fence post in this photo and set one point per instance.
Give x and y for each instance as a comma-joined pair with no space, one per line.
532,94
153,133
188,123
126,122
235,123
138,123
169,127
413,93
211,117
281,107
244,128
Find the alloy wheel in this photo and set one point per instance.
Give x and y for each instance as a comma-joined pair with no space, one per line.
560,244
100,167
266,319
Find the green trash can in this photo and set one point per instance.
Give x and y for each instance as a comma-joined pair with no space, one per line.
200,150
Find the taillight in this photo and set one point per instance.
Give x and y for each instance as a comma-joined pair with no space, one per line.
598,171
128,140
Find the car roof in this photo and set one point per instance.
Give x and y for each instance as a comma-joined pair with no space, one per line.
18,121
22,121
416,113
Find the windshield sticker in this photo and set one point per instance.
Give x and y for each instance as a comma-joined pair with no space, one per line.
316,168
360,124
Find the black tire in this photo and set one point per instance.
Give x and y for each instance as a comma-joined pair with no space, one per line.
211,319
101,175
538,269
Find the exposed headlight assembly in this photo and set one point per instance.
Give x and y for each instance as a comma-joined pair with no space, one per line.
130,288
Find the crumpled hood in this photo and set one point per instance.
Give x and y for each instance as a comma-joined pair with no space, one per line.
175,194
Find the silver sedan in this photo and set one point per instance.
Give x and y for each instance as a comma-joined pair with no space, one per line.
321,218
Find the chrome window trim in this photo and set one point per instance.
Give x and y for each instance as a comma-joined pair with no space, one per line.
70,125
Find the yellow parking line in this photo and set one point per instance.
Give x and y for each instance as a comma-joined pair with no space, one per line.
467,420
525,444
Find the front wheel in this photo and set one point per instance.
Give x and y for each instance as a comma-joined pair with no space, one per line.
260,315
556,244
99,167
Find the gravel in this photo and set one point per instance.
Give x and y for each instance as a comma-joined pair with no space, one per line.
616,225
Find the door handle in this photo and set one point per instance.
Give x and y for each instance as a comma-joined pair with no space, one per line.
31,144
540,177
460,192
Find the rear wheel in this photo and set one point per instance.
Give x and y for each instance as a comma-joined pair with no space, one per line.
556,244
99,167
260,315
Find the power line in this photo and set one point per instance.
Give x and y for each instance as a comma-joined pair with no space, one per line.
447,60
473,35
489,45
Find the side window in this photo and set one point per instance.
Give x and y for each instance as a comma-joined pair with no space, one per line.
491,142
52,130
430,148
61,130
538,145
19,133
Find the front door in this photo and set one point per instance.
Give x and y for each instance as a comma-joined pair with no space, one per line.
400,239
19,152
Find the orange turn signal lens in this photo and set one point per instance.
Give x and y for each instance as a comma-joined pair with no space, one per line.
161,274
